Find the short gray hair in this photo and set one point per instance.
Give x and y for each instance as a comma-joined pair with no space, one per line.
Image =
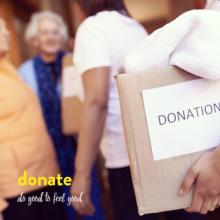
36,18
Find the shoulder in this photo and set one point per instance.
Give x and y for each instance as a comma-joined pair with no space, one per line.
26,71
88,25
196,15
26,66
92,28
99,21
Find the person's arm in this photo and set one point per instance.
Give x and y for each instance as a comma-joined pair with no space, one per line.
3,205
96,88
1,216
205,175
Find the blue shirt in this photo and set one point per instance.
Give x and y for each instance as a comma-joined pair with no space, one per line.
27,73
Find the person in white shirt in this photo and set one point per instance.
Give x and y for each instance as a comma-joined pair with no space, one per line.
180,51
102,42
205,172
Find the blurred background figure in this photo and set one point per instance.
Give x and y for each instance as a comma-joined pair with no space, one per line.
26,147
47,33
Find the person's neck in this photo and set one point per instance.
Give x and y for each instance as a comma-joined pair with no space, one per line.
48,58
2,59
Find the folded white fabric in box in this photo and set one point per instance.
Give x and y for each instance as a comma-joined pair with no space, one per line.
191,42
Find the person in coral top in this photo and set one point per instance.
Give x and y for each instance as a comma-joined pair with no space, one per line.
24,145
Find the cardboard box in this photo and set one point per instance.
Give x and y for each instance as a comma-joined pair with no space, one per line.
156,183
72,106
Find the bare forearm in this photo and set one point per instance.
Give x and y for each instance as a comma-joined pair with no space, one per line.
90,136
3,204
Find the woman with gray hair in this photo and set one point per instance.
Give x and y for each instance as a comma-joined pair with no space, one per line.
47,33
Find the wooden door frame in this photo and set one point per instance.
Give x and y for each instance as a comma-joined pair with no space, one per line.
23,9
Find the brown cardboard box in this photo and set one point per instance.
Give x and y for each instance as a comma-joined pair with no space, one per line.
156,183
71,107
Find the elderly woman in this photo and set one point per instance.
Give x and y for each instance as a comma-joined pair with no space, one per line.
21,125
47,32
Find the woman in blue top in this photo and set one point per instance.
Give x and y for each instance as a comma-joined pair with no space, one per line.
47,32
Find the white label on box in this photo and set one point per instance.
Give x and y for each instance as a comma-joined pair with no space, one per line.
183,118
72,83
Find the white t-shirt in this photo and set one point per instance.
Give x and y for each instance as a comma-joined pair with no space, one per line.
105,40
